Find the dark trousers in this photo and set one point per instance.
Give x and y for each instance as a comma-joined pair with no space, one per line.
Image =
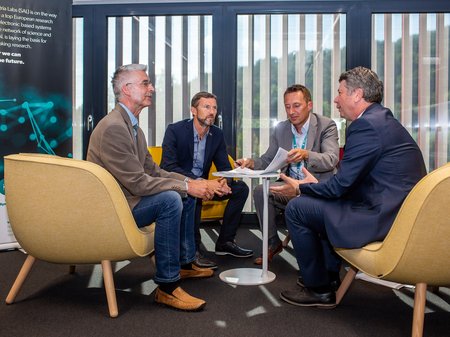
232,214
315,255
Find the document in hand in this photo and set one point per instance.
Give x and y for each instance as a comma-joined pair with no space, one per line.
278,162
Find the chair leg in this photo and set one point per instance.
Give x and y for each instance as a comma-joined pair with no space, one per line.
345,284
420,297
20,279
109,288
72,269
286,241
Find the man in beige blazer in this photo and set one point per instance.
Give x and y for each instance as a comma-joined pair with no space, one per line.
154,195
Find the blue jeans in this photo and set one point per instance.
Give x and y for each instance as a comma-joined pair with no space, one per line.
174,231
315,255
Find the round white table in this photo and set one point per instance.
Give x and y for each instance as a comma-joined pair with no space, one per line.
253,276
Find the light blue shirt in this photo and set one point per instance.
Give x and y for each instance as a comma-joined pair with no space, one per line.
298,142
199,153
133,119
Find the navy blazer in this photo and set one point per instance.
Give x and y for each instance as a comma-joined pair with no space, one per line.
381,164
178,149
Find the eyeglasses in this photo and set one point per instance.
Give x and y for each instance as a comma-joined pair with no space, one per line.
208,107
144,84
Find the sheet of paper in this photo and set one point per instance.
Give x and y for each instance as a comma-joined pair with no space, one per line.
278,162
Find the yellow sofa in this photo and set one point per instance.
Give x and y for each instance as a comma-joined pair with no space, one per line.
211,210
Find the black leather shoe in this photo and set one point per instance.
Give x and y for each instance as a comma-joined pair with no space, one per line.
335,284
231,248
202,262
304,297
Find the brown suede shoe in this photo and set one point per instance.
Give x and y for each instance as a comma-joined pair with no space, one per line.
179,299
196,272
270,254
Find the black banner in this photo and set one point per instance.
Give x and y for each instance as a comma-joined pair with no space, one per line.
35,79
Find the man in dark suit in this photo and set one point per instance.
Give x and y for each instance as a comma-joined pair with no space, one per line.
190,147
358,205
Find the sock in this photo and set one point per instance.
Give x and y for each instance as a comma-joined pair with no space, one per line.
333,275
322,289
187,266
169,287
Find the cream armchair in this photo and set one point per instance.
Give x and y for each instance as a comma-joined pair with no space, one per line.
416,250
70,211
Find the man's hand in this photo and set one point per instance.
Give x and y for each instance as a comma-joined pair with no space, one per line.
297,155
290,189
245,162
309,178
219,186
200,189
292,186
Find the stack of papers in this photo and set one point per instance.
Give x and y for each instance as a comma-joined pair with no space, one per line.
278,162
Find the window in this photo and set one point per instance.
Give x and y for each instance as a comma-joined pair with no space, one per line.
274,52
410,52
178,53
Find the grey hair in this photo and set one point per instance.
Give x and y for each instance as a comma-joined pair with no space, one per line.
365,79
120,77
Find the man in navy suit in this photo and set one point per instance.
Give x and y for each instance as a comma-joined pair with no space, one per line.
358,205
190,147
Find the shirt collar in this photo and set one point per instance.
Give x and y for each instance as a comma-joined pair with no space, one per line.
196,135
133,119
305,128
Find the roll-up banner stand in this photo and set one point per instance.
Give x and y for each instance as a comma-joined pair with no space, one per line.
35,85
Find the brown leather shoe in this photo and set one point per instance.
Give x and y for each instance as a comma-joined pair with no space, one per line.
270,254
196,272
179,299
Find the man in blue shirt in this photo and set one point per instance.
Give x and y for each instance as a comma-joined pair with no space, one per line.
190,147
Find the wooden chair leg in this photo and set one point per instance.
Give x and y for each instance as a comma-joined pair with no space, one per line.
286,241
109,288
72,269
152,258
20,279
420,297
345,284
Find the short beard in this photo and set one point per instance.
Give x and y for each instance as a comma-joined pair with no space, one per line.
204,122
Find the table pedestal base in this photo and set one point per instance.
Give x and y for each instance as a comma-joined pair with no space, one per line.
247,276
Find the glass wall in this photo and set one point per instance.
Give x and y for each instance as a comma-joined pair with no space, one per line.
178,53
274,52
410,52
258,52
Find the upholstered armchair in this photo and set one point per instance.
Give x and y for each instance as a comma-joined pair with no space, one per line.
70,211
416,249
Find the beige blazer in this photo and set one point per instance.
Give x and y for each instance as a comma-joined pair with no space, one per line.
113,146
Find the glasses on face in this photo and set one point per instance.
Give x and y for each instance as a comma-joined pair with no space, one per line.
144,83
208,107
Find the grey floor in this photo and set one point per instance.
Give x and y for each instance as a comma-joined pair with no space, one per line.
54,303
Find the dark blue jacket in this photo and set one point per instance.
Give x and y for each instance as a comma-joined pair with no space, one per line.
381,164
178,149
